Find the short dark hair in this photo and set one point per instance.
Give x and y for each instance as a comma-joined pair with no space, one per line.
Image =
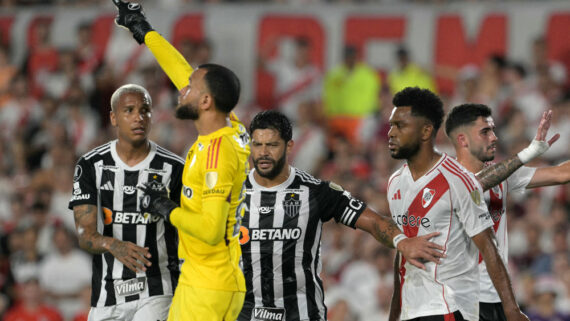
224,86
463,115
423,102
272,119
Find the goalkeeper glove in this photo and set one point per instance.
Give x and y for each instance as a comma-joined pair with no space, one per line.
155,200
132,17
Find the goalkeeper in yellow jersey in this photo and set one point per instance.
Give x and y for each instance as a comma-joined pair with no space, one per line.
211,284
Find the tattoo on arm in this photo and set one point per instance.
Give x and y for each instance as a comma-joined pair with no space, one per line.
86,225
385,234
494,175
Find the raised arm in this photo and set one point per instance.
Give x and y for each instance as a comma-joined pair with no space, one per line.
493,175
551,175
385,231
496,268
131,255
170,60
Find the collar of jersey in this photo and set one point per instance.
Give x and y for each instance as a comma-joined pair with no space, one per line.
143,164
279,187
220,132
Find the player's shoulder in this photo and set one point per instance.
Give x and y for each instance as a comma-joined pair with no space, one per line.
456,174
307,179
396,175
97,152
168,155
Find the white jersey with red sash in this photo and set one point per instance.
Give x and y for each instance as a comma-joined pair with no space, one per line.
496,199
447,199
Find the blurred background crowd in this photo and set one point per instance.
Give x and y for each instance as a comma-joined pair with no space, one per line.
54,106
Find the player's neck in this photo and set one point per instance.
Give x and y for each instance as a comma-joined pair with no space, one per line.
470,162
210,122
271,182
132,154
422,162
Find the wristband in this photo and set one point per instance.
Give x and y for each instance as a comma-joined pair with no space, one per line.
397,239
535,149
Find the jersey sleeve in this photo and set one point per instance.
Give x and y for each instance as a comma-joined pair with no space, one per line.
220,170
338,203
518,181
170,60
84,188
469,204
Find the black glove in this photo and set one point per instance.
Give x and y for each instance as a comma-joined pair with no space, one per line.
132,17
155,200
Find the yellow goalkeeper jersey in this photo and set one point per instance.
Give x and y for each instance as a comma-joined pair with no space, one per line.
209,216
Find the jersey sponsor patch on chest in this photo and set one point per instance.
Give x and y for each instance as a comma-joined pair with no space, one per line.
268,314
130,287
268,234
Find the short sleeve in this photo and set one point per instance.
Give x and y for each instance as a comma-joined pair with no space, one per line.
84,185
469,204
340,204
518,181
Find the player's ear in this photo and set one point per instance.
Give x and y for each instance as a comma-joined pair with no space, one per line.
206,101
461,140
290,145
113,118
427,131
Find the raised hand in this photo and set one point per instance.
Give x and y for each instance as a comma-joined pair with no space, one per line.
539,145
418,249
131,17
134,257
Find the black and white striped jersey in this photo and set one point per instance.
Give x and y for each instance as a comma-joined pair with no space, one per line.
281,245
102,179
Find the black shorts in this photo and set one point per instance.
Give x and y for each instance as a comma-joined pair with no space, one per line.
455,316
491,312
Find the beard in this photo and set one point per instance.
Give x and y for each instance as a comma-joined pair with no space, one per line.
483,154
186,111
274,171
406,152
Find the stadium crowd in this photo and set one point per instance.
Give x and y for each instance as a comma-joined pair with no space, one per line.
55,107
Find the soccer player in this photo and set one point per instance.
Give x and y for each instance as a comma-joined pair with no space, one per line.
472,131
284,211
433,192
211,284
135,262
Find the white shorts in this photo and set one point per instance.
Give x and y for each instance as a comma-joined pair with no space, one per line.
148,309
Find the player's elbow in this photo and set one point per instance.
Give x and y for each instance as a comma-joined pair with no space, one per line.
214,236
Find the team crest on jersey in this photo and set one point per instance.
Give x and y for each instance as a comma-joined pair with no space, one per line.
497,191
292,204
476,197
77,173
211,179
427,197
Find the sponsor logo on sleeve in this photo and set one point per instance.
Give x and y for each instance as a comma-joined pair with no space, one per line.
476,197
336,187
77,173
187,191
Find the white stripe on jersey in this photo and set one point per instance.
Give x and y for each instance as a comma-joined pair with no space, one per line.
255,248
302,221
98,150
319,292
278,217
168,154
347,216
